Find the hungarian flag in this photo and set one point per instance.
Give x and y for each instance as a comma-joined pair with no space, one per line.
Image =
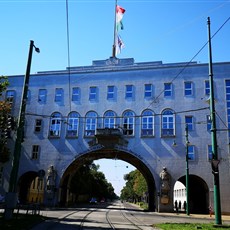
119,15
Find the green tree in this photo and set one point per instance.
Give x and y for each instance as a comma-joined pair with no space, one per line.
5,121
89,182
135,186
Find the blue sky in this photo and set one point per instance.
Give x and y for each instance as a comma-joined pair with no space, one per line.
169,31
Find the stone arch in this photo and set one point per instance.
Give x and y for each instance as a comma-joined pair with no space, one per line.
199,194
101,153
24,184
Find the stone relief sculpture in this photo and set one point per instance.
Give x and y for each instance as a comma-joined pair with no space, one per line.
51,179
165,186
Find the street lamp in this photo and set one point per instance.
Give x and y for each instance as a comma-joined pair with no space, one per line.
187,170
11,196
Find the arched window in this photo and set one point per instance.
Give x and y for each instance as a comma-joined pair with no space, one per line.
55,125
109,119
90,123
72,125
168,123
147,123
128,123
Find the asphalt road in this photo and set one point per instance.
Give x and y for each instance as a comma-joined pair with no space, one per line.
116,215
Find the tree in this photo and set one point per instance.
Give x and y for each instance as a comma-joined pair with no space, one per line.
89,182
5,121
135,186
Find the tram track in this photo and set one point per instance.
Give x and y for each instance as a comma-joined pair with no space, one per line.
99,217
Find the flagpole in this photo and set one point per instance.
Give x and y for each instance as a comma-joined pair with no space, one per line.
114,33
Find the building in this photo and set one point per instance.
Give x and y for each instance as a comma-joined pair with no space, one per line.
117,108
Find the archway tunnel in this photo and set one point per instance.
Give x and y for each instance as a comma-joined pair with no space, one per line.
198,194
109,154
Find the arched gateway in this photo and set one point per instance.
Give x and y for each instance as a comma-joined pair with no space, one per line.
109,144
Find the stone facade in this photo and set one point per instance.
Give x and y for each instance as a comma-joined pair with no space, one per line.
149,102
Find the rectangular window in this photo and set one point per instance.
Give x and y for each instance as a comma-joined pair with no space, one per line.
167,89
76,94
210,152
10,95
129,92
72,127
189,122
38,125
42,93
111,92
188,91
35,152
209,122
191,152
92,93
227,88
58,94
128,126
207,88
147,126
148,90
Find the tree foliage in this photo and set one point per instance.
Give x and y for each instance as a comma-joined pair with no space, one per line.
135,186
5,109
89,182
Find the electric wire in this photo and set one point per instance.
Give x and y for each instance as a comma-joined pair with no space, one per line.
188,63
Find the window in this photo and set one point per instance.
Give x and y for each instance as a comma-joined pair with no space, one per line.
128,123
191,153
10,95
42,93
209,122
189,122
28,98
109,119
129,92
90,124
35,152
207,88
92,93
227,88
147,124
168,123
55,125
148,90
167,89
188,91
76,94
58,94
110,92
210,152
38,125
72,124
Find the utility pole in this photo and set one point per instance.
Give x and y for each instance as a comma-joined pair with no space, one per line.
215,161
11,196
187,171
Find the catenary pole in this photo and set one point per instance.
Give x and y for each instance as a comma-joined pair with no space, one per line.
215,161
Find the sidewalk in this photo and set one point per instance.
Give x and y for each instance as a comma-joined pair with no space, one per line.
196,216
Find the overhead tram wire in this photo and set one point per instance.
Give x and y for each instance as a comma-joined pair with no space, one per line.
135,116
188,63
68,52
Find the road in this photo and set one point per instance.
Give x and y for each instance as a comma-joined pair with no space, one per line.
106,216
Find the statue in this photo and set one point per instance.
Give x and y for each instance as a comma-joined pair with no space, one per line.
165,186
51,178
